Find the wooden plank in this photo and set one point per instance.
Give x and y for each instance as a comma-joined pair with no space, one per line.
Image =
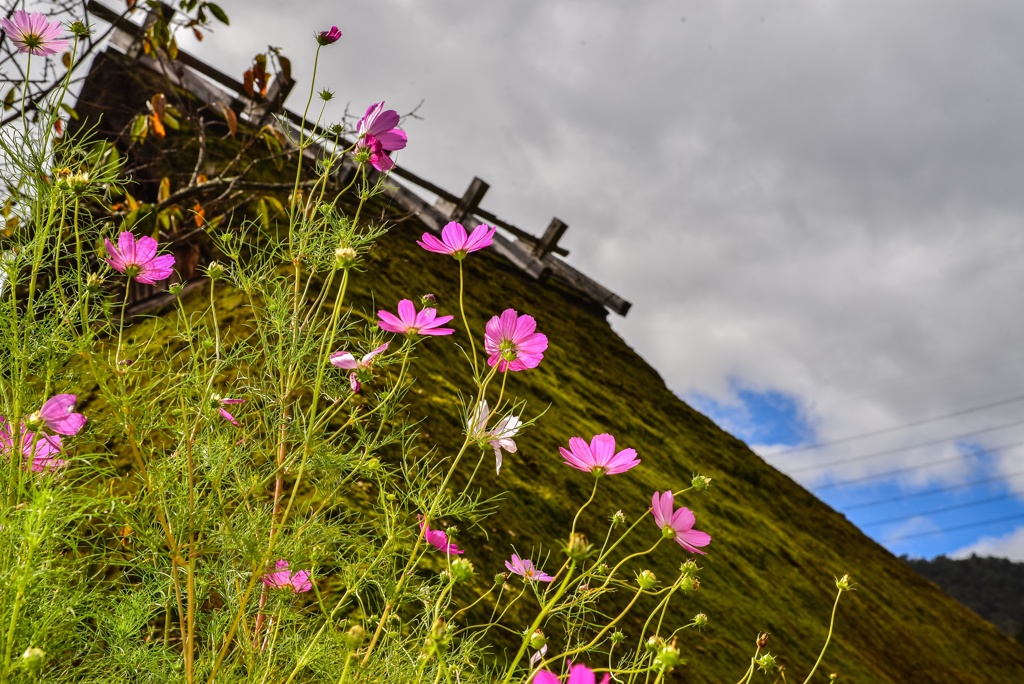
549,241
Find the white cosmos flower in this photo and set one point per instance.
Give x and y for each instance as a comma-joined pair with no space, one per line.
499,437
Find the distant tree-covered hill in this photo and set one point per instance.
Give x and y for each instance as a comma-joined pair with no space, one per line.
991,587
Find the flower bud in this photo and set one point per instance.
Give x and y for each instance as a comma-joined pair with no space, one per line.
215,270
689,585
462,570
345,257
762,639
766,662
326,95
700,483
33,657
668,656
844,583
577,549
176,289
428,300
499,579
617,637
537,640
34,421
832,677
355,635
353,381
700,620
689,568
647,580
79,29
654,642
618,518
93,283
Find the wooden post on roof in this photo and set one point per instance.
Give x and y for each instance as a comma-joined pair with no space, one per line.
469,203
548,241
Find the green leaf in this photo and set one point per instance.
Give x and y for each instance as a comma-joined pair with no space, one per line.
216,11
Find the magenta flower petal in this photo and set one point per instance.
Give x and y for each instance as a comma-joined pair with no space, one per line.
525,569
329,37
282,578
512,344
409,322
454,235
482,236
138,258
34,33
599,456
227,416
545,677
378,135
680,522
345,359
59,414
432,244
438,539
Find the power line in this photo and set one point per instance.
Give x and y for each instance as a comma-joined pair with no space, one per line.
875,454
897,471
889,540
915,423
941,490
944,509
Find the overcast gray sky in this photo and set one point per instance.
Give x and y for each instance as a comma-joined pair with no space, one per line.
815,206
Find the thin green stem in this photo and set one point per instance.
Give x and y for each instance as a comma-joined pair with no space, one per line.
828,638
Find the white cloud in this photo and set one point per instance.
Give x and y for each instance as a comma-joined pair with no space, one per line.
1009,545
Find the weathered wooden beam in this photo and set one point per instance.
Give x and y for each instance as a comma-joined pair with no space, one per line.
467,205
549,241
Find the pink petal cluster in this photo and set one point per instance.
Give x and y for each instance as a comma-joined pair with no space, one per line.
578,674
678,524
329,37
599,456
455,242
348,361
34,33
513,343
499,437
379,134
138,258
524,568
409,322
224,413
40,449
438,539
58,415
282,578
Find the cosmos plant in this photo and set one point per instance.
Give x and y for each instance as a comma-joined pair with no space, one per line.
266,482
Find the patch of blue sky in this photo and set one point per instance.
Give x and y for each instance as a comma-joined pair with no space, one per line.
762,417
921,526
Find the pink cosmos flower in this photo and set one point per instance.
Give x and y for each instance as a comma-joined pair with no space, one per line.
408,322
524,568
578,674
34,34
346,360
499,437
438,539
58,415
282,578
221,403
378,133
512,342
599,456
455,242
353,381
41,449
138,259
678,524
329,37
